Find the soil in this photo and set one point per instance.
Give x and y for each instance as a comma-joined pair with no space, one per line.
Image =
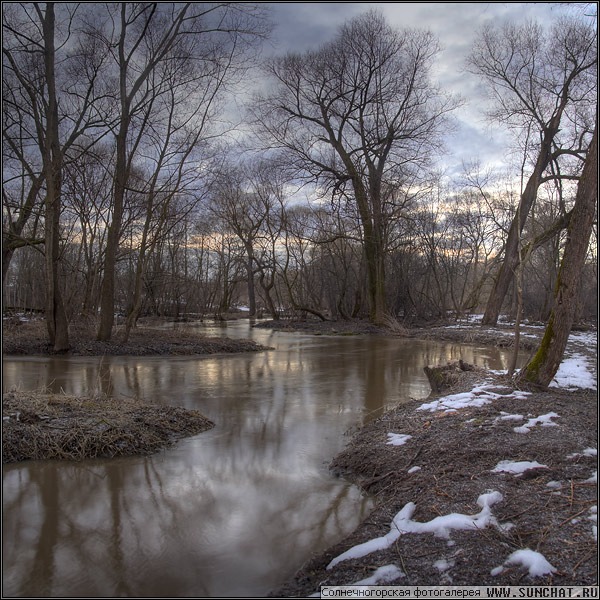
455,451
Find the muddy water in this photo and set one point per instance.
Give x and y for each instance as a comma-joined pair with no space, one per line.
230,512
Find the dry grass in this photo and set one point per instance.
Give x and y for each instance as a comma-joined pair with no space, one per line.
38,426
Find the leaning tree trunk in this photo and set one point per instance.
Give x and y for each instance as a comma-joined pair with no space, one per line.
527,200
543,366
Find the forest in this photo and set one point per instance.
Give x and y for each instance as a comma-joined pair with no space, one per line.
156,162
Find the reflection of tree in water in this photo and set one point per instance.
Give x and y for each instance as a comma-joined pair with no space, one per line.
43,559
251,496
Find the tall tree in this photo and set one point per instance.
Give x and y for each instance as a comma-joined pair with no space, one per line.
56,317
544,364
357,115
542,82
145,36
60,108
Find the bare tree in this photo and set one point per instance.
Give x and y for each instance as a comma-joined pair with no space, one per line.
144,37
543,85
544,364
60,110
358,114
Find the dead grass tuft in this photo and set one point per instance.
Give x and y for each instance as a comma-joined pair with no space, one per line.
39,426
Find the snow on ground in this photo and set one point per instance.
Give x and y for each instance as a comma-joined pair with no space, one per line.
585,452
441,526
573,373
398,439
534,561
382,575
478,396
543,420
517,468
594,519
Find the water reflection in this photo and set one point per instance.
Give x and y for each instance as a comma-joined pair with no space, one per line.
163,527
230,512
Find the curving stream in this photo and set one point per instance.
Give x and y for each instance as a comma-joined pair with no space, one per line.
230,512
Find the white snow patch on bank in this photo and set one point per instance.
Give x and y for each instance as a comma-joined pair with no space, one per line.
586,452
478,396
594,519
398,439
382,575
517,468
441,526
573,373
535,562
543,420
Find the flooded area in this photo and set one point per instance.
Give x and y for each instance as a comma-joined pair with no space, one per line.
230,512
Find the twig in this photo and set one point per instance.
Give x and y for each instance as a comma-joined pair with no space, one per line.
573,516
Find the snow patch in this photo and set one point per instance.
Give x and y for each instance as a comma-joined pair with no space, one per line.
398,439
573,373
441,526
535,562
478,396
544,420
517,468
554,485
382,575
585,452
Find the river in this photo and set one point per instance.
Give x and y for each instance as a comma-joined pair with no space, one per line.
230,512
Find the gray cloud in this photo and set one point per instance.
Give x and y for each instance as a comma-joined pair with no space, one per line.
306,25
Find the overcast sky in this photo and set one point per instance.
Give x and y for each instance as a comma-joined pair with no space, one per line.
301,26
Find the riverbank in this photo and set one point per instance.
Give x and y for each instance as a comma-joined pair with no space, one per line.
40,426
29,338
481,484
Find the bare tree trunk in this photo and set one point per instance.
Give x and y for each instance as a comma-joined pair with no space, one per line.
107,290
11,240
250,276
511,251
56,318
374,252
543,366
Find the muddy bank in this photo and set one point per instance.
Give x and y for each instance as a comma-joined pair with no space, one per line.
448,463
38,426
501,336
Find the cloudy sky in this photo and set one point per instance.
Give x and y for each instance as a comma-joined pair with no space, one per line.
301,26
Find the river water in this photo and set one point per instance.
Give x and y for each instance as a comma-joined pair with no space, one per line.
230,512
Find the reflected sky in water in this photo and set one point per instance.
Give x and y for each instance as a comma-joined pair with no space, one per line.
230,512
